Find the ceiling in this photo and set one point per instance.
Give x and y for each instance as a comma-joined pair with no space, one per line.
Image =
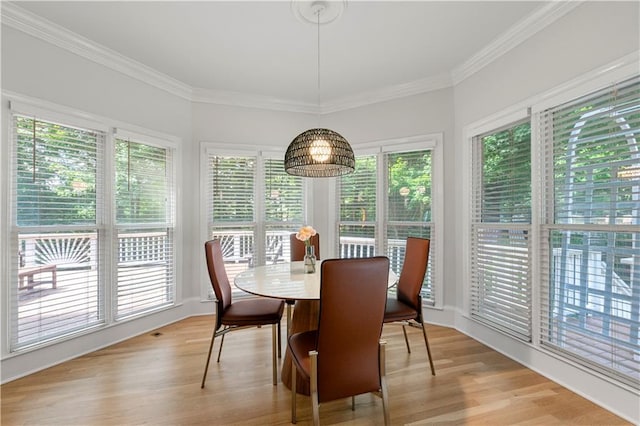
261,49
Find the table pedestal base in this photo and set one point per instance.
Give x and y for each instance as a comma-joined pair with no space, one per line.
305,317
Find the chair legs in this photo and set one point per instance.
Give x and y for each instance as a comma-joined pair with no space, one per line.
206,367
279,342
426,342
294,393
406,339
315,406
313,389
383,383
419,324
220,348
275,349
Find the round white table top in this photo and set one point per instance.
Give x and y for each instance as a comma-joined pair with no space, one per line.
285,281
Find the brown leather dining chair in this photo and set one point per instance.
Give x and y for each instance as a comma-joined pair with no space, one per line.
344,356
231,315
406,308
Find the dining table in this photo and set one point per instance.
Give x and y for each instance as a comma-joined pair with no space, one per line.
290,282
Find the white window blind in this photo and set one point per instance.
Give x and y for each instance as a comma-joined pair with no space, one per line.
591,292
56,197
357,200
500,293
283,209
408,205
231,208
145,228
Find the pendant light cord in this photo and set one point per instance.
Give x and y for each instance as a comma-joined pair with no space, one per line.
318,17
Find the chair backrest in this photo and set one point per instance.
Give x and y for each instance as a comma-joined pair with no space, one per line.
218,277
353,293
416,257
297,247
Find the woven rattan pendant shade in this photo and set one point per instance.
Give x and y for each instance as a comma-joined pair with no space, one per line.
319,153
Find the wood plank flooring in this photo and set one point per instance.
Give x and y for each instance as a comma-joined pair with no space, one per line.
154,379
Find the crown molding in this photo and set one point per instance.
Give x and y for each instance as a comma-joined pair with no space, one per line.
521,31
388,93
229,98
29,23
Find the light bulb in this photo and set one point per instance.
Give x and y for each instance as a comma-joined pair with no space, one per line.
320,150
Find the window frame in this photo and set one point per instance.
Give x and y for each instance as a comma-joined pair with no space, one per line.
169,223
514,325
259,223
434,143
105,221
590,83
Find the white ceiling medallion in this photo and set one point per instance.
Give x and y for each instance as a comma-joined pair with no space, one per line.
306,11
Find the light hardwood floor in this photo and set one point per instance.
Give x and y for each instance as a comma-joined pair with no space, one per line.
154,379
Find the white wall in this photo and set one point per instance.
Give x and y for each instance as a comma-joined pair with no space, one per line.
33,68
593,35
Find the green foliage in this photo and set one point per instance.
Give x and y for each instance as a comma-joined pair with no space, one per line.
409,194
506,175
232,180
56,174
141,183
283,194
358,192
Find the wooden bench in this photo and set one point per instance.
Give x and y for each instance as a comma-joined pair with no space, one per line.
29,272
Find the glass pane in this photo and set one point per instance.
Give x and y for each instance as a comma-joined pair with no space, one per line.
56,174
283,198
506,175
409,196
57,285
357,241
596,164
278,245
141,183
358,192
232,181
594,297
237,247
145,270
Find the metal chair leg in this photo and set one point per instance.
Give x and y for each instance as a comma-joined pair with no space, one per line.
279,342
220,349
383,384
314,388
274,351
293,392
406,339
206,367
426,342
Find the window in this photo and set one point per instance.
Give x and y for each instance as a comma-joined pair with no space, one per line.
591,244
57,206
358,194
388,198
501,225
144,223
253,207
74,223
409,208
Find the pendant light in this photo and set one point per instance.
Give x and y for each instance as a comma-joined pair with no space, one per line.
319,152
